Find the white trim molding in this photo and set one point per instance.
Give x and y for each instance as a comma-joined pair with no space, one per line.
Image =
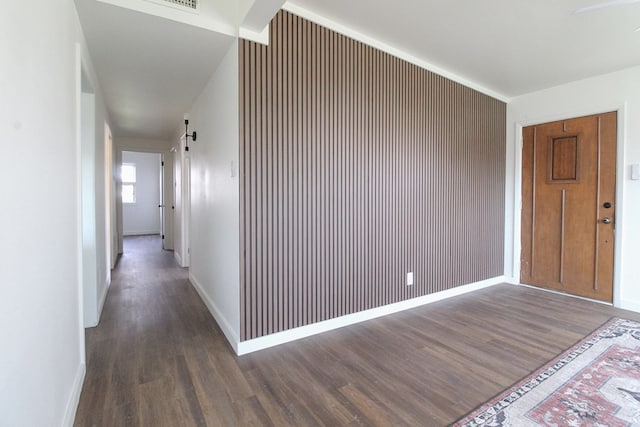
78,163
228,331
262,37
620,203
74,397
103,299
142,233
565,294
177,257
250,346
630,305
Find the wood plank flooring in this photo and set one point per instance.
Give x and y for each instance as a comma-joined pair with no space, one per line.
159,359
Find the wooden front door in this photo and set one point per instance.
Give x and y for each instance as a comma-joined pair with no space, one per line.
568,205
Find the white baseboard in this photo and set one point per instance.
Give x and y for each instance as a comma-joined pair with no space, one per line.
100,306
74,398
624,304
102,300
564,294
278,338
141,233
178,258
511,280
250,346
630,305
231,336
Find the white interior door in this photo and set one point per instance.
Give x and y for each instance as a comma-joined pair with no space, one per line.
166,182
181,190
186,206
161,205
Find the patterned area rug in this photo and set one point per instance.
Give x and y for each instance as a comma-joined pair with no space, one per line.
596,383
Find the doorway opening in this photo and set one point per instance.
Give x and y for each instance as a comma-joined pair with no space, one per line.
141,191
145,190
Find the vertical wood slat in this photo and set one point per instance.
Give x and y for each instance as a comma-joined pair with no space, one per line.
357,167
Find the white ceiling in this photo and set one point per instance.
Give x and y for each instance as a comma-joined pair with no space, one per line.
509,47
151,69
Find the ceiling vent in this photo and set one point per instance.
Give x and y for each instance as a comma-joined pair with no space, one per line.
191,4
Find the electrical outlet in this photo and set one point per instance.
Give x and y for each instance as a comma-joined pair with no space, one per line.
410,278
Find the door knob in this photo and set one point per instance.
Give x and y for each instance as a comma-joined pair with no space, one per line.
606,220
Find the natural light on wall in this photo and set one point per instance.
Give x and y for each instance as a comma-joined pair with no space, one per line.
128,175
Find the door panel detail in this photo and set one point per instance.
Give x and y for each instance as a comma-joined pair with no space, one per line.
564,159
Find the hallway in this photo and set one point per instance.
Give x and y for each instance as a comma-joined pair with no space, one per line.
153,322
158,358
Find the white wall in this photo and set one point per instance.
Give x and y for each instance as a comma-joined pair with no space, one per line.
41,325
143,216
617,91
214,220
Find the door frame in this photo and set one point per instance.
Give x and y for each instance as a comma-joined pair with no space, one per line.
182,175
620,176
119,149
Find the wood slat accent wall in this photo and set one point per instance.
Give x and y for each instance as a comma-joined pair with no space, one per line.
357,167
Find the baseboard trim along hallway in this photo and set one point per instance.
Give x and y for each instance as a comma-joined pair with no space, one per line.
231,336
74,397
250,346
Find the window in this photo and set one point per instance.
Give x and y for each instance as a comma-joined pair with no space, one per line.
128,174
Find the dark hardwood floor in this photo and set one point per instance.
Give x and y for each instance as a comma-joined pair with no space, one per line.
158,358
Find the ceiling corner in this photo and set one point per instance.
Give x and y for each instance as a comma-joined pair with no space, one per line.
259,14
